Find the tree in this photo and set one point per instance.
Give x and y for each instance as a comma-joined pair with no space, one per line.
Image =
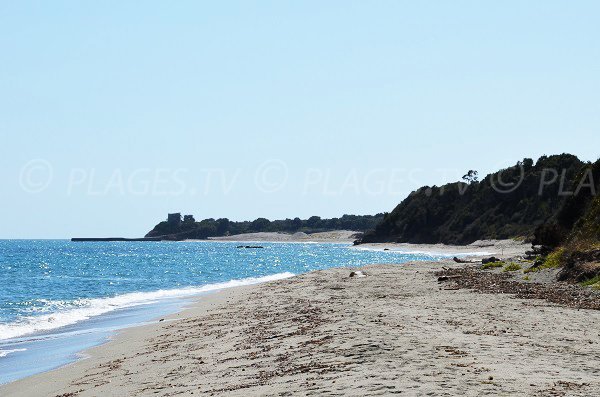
527,164
296,223
260,225
471,176
222,226
313,221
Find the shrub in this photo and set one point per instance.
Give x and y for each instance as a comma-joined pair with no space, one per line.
512,267
554,259
491,265
592,282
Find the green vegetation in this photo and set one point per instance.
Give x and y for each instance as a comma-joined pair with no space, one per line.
526,278
506,204
575,228
492,265
555,203
512,267
190,229
554,259
592,282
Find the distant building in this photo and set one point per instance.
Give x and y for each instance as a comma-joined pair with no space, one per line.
174,219
188,218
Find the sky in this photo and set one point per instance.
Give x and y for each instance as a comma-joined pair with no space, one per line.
114,113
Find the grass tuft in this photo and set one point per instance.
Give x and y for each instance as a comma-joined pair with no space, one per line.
512,267
552,261
492,265
592,282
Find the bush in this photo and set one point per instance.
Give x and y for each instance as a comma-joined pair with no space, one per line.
592,282
512,267
492,265
554,259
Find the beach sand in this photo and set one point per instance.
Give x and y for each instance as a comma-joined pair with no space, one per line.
334,236
505,248
396,330
479,248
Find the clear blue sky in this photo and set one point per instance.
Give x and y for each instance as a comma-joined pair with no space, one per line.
305,108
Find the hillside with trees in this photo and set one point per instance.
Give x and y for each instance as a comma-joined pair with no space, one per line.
509,203
176,229
572,236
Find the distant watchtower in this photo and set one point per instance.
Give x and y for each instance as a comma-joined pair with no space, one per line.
174,219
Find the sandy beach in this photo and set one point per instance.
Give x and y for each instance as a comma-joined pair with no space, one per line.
334,236
293,198
396,330
477,249
488,247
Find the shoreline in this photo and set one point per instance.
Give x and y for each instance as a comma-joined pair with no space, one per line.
504,248
30,355
67,343
396,329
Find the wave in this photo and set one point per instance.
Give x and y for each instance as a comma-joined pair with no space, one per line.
4,353
446,254
433,253
83,309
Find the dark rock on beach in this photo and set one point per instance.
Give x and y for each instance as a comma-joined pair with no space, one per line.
491,259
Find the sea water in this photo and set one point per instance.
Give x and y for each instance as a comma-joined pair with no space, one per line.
58,297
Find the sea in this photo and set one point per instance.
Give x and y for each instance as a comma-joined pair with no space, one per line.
58,298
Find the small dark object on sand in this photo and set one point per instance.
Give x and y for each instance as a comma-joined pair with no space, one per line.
386,249
446,278
458,260
491,259
357,273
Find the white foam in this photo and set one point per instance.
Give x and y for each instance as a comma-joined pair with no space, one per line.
446,254
429,253
84,309
4,353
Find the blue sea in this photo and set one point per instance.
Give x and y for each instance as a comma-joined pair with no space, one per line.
58,297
